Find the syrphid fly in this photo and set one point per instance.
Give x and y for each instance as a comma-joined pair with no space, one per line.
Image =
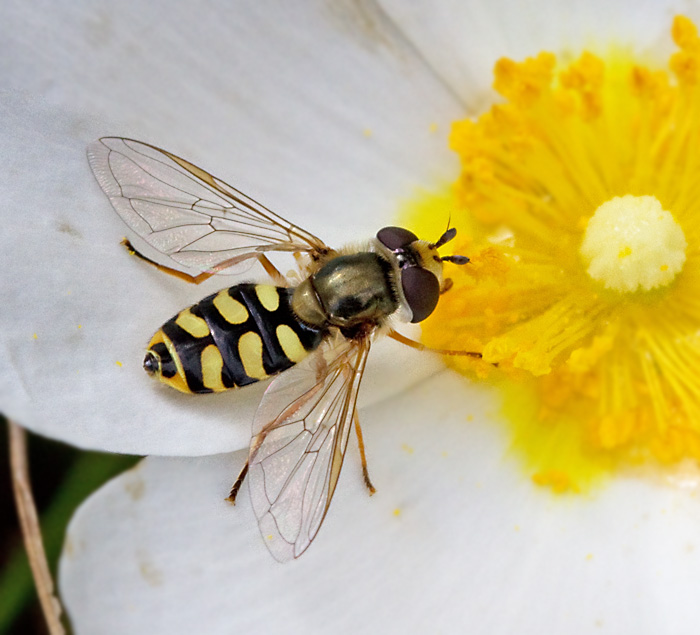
313,334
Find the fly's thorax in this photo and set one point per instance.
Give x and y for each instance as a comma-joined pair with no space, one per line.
348,290
307,305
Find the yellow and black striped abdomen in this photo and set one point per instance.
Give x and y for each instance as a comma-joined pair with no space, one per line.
232,338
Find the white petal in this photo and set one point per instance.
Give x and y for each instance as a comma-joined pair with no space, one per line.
279,98
462,40
78,311
318,109
455,540
278,101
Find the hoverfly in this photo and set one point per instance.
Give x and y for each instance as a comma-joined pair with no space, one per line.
314,336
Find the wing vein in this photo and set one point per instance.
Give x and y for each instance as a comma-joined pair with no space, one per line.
192,218
300,436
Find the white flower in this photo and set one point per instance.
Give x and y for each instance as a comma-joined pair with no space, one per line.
325,112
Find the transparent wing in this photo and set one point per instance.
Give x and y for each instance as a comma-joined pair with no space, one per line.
300,434
187,214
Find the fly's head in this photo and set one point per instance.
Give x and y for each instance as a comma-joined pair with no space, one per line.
420,267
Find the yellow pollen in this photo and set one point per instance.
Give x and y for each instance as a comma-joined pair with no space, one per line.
578,204
632,243
559,481
625,251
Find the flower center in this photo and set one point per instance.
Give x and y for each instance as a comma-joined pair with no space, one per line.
595,315
631,242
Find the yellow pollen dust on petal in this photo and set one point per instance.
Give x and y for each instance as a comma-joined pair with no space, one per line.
578,203
559,481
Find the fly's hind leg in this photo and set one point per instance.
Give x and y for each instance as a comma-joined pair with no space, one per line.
270,269
363,457
231,498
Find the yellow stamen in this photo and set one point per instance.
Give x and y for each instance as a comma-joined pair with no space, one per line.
578,203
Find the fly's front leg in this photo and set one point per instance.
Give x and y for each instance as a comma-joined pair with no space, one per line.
395,335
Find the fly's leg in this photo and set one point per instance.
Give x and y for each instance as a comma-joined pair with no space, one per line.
165,269
363,457
422,347
271,270
231,498
255,444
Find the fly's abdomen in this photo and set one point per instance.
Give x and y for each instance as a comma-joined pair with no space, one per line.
232,338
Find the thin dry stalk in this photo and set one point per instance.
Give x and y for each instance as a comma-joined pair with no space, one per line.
31,531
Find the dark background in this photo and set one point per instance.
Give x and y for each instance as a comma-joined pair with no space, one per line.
62,477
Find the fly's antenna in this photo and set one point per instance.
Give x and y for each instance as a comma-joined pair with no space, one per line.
457,260
446,237
449,234
449,221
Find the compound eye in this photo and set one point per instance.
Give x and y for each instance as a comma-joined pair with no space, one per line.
422,291
396,237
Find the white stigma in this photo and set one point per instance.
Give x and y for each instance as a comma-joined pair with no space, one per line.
632,243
